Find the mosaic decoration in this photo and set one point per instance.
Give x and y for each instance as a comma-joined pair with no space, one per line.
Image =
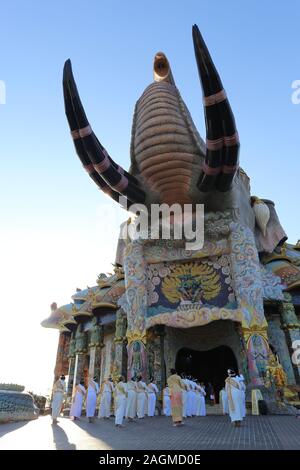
272,286
174,285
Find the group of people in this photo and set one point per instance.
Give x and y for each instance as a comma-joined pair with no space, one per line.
132,399
183,397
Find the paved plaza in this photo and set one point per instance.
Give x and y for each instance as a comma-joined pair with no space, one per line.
210,432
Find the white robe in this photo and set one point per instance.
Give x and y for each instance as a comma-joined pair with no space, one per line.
201,409
241,380
193,398
235,399
58,397
91,399
76,407
189,399
166,402
152,390
224,402
184,402
141,399
105,401
131,400
120,402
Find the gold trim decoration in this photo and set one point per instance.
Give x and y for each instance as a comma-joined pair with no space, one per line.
136,335
255,328
69,321
104,304
83,313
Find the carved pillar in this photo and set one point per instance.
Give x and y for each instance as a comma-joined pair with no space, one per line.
135,267
120,362
248,288
62,362
291,328
95,345
257,350
278,340
71,365
80,357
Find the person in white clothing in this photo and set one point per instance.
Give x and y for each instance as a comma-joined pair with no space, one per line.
241,379
131,399
152,392
91,399
224,401
201,409
59,390
235,398
141,397
120,396
166,401
193,397
189,397
107,389
76,408
184,397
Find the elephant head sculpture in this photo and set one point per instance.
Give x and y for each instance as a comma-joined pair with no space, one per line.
170,163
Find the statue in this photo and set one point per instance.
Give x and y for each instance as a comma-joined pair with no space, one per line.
96,333
275,376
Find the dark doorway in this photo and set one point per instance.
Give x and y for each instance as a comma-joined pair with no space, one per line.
207,366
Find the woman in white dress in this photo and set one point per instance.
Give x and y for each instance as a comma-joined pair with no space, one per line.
166,401
202,411
141,397
91,399
235,398
76,408
59,389
120,395
107,389
152,392
131,400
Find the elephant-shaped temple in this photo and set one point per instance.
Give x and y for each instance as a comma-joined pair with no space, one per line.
233,302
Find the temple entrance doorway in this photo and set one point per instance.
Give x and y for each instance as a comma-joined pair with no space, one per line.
207,366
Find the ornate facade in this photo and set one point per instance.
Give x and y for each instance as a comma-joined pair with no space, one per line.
233,302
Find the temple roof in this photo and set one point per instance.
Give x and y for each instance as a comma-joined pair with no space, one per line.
104,295
285,263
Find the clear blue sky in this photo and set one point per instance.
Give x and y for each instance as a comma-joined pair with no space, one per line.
53,237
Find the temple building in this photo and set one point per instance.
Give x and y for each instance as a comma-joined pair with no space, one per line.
232,301
200,333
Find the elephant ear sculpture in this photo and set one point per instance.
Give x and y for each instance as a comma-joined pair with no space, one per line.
169,161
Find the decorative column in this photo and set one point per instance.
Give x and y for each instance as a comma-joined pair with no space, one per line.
80,350
156,356
95,345
71,370
62,362
248,289
291,327
257,350
136,292
120,361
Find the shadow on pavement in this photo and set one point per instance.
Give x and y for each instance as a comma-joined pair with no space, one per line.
12,426
60,438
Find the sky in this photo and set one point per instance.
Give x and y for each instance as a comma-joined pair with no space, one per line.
58,232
